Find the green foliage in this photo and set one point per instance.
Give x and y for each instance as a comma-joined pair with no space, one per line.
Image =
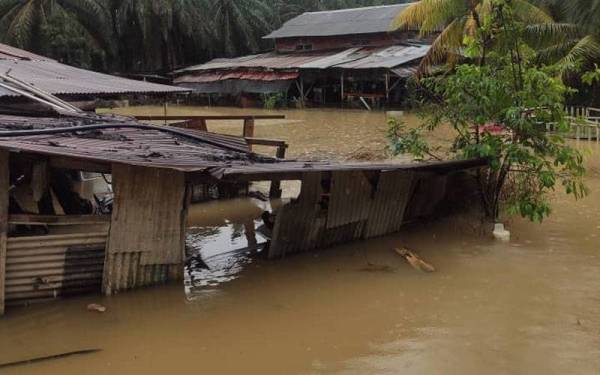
591,77
520,100
274,101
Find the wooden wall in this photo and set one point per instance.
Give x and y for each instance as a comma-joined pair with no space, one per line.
147,237
344,207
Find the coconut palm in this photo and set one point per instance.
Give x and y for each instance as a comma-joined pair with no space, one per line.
453,20
574,41
22,21
155,34
240,24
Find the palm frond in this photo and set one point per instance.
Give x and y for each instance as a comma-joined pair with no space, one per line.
446,46
529,13
429,16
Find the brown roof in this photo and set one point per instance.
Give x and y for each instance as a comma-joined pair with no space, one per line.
121,140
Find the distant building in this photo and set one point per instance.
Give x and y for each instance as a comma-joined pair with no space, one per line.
321,57
68,82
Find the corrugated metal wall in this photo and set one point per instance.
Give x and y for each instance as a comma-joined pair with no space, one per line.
46,267
357,206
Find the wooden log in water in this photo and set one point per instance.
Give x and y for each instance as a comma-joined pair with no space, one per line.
415,261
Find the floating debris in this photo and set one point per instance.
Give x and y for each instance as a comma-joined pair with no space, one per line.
415,261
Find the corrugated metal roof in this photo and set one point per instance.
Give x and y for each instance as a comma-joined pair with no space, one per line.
142,147
12,53
189,151
388,58
365,20
353,58
56,78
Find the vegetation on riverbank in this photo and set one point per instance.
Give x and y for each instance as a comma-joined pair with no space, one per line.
500,103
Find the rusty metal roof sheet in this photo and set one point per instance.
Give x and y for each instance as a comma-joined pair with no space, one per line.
267,76
187,151
142,147
365,20
352,58
56,78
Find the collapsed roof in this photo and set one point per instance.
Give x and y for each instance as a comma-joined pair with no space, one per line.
104,140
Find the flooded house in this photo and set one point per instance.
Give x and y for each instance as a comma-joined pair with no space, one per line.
92,204
343,56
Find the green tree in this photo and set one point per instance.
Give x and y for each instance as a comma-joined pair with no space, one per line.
23,22
454,20
526,161
573,42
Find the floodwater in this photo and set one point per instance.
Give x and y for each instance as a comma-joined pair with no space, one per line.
531,306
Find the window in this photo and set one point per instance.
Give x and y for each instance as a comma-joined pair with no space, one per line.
304,47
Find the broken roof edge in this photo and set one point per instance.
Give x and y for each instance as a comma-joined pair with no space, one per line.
256,173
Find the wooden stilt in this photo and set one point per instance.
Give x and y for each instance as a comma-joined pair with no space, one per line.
342,88
249,129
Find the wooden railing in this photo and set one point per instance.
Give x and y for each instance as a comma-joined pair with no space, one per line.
585,123
199,122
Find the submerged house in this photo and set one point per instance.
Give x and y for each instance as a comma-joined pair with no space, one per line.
58,239
67,82
321,57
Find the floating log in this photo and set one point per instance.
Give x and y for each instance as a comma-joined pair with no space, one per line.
415,261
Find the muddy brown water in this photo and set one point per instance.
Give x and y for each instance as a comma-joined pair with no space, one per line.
525,307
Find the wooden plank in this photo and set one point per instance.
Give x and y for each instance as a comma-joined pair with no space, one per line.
39,179
4,202
58,220
64,162
206,118
266,142
297,227
148,217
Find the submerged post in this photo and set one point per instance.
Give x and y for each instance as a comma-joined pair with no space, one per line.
4,201
249,129
342,88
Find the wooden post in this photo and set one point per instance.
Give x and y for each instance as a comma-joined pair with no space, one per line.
249,129
387,88
4,199
302,92
276,191
342,88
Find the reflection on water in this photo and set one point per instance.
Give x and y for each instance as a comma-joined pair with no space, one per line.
530,306
217,255
222,239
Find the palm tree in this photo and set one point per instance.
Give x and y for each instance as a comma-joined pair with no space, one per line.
22,21
574,41
453,20
240,24
155,34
